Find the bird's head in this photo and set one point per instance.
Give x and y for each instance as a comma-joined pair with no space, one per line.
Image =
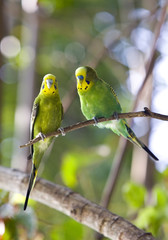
86,77
49,85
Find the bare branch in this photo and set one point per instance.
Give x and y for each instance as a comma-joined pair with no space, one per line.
73,205
145,113
113,174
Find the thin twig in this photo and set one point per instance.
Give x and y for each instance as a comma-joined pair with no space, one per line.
145,113
113,174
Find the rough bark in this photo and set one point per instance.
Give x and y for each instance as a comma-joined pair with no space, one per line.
72,204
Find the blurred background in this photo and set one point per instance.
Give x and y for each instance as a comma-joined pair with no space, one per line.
127,43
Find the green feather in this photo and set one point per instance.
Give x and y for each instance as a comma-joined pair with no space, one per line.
46,117
98,99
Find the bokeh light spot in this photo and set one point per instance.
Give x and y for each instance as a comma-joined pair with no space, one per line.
29,6
143,39
8,73
10,46
75,52
103,20
2,228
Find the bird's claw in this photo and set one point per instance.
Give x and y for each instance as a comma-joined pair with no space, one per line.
62,131
95,120
41,135
116,115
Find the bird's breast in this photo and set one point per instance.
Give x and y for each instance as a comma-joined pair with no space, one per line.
48,118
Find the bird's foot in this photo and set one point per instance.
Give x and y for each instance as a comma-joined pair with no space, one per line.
62,131
95,120
41,135
116,115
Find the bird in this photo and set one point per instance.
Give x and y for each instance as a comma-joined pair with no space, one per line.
98,99
46,117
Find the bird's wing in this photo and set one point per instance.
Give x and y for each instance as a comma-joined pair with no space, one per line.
111,89
33,118
114,94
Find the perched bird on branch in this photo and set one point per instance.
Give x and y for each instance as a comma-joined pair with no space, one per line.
98,99
46,117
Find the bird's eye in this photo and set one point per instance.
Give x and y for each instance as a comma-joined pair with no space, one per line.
55,87
80,77
87,82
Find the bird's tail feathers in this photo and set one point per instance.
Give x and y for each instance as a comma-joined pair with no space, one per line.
149,152
31,184
132,137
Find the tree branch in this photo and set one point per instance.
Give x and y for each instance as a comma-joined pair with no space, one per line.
113,174
145,113
73,205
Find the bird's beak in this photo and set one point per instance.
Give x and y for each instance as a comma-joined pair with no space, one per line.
49,83
79,81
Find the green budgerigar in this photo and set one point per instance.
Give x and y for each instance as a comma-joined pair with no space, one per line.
98,99
46,117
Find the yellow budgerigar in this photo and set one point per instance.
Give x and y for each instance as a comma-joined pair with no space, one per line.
46,117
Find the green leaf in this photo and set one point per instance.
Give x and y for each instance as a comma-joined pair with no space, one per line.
68,170
73,161
161,196
11,231
134,194
69,230
150,219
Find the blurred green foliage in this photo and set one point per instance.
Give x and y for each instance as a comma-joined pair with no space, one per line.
134,200
153,216
68,35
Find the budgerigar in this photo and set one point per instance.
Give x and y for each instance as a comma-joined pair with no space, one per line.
46,117
98,99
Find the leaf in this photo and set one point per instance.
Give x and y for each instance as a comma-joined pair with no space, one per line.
66,231
134,194
149,218
68,170
161,196
73,161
